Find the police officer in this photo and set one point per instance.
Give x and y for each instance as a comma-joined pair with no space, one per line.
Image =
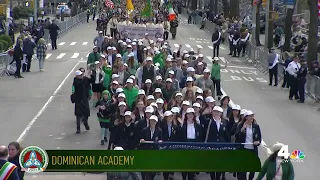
292,70
302,78
8,170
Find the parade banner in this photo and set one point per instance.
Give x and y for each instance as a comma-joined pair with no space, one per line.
199,146
138,32
34,159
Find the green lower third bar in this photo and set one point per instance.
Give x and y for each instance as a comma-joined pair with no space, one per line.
152,161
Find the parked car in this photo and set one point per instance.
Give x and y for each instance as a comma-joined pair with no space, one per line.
63,8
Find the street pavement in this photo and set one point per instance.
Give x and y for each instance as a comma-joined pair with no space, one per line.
37,110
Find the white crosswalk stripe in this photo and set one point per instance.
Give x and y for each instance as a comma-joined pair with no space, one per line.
192,39
199,46
176,45
75,55
62,43
61,55
223,59
188,46
210,47
48,55
73,43
87,55
84,43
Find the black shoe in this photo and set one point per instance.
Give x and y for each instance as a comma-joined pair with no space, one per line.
300,101
270,84
28,71
234,56
290,98
234,174
105,139
275,85
102,142
297,98
78,132
20,77
87,127
223,178
230,54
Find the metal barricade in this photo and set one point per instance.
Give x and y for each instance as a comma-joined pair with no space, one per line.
313,87
65,27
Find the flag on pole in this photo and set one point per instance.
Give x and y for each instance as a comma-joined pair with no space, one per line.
130,6
109,4
147,11
172,14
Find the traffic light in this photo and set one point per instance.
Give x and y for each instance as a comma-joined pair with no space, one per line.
264,3
29,3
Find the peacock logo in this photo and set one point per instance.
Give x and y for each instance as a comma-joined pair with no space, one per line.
297,154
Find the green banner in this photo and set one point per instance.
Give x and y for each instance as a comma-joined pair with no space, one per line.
152,161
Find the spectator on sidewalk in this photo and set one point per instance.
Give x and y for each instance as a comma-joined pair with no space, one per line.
41,53
28,50
18,57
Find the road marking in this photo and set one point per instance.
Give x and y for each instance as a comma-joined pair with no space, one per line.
44,107
176,45
263,144
192,39
84,43
75,55
62,43
48,55
224,60
88,55
73,43
61,55
210,47
199,39
223,48
210,58
198,42
188,46
241,67
199,46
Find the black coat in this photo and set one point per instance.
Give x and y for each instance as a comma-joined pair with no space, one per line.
174,137
15,161
124,136
82,88
17,54
53,30
139,126
241,136
146,135
215,135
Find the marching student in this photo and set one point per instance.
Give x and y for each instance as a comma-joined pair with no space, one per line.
124,132
248,133
151,133
143,123
169,133
216,130
117,118
191,131
104,113
275,168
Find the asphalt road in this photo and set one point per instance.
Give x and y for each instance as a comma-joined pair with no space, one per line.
37,111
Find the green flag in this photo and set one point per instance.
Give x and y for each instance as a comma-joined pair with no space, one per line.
147,11
158,58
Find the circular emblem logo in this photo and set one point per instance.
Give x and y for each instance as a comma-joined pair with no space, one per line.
33,160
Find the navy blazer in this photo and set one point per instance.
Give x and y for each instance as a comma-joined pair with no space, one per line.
256,133
146,135
215,135
174,137
14,175
198,129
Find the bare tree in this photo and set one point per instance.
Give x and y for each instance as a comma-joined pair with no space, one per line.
258,43
287,30
234,8
313,32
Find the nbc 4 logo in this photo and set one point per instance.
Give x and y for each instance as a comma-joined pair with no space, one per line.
295,156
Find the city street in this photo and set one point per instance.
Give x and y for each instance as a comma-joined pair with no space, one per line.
37,110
